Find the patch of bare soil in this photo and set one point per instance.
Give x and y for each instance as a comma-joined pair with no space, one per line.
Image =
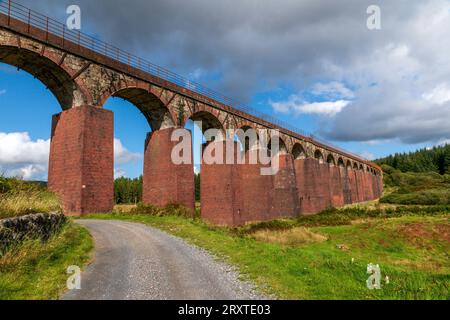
421,234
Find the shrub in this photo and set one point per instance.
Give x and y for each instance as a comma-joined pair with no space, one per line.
424,197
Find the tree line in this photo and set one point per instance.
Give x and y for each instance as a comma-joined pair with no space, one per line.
129,191
436,159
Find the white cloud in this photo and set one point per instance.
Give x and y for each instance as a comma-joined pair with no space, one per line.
329,108
28,159
196,169
18,147
367,155
119,172
443,142
122,155
20,156
438,95
332,90
295,104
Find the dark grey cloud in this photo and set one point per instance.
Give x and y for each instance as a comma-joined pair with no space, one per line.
255,45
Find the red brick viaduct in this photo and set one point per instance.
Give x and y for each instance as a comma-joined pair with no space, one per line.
312,176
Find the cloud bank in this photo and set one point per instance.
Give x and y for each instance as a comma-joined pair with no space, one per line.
22,157
399,75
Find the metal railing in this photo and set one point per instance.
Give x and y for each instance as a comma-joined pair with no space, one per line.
53,27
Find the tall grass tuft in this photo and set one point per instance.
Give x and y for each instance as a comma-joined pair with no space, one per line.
169,210
19,198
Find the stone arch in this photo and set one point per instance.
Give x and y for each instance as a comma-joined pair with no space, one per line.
247,136
47,68
361,167
208,121
330,160
298,151
341,163
355,166
154,110
318,156
281,146
348,165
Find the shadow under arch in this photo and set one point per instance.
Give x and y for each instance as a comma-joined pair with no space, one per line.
208,121
282,148
247,137
298,152
157,114
348,165
58,80
318,156
330,160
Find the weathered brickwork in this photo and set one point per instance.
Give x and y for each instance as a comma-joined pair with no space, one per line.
81,160
313,176
165,182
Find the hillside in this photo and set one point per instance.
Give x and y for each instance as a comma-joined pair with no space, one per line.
420,178
435,160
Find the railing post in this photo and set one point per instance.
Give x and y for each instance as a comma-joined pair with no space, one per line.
29,20
46,30
9,12
63,35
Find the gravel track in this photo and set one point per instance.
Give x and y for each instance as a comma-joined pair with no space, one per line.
133,261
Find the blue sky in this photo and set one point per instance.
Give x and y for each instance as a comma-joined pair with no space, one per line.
312,63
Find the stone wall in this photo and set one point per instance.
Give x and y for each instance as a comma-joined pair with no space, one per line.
14,231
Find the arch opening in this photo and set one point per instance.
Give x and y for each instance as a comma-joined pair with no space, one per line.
247,137
153,109
53,76
298,152
282,149
348,165
319,156
330,160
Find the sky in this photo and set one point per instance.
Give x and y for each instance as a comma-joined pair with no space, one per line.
313,64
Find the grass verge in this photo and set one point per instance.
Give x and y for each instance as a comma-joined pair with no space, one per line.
19,198
37,270
326,261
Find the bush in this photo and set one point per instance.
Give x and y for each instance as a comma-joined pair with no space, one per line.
409,188
425,197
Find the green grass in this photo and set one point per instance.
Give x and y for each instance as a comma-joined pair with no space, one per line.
20,198
410,248
37,270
